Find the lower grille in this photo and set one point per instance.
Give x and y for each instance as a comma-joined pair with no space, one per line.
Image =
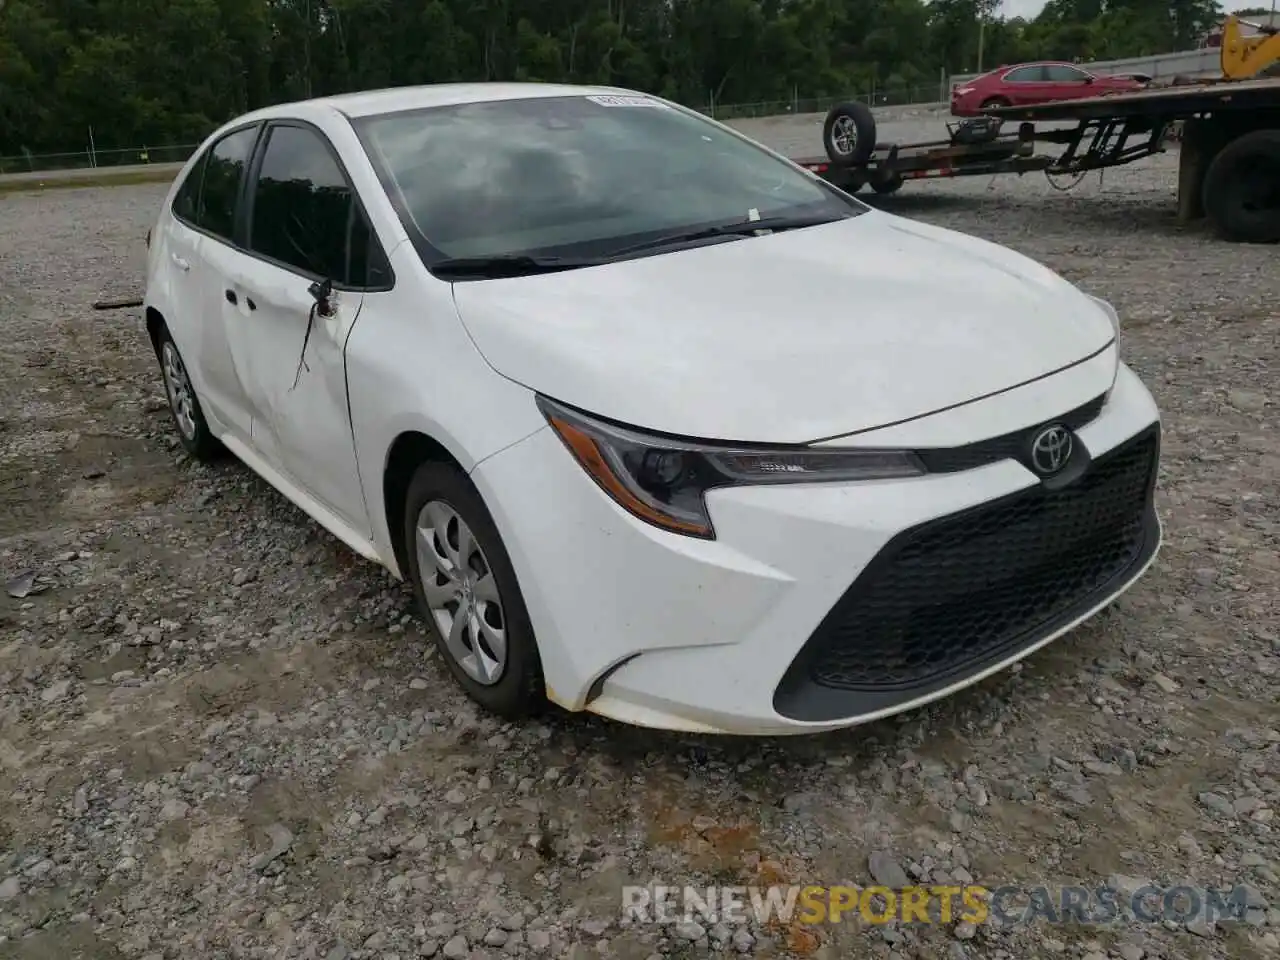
964,590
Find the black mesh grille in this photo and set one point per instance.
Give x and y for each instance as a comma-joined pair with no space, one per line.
973,586
1010,446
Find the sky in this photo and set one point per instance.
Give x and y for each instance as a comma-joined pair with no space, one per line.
1029,8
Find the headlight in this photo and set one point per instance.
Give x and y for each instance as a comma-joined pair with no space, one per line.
662,481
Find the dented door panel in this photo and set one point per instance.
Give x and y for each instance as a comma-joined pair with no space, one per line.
299,399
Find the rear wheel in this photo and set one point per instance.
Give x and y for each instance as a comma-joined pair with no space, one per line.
467,591
1242,188
992,103
188,417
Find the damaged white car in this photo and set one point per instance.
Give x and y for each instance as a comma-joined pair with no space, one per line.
657,424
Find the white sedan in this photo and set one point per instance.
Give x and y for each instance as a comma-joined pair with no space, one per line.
656,423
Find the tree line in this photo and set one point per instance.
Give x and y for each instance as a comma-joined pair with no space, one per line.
169,71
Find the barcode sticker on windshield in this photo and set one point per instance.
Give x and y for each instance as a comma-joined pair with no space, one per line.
612,100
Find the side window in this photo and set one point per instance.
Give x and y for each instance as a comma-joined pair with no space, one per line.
186,202
222,177
1025,75
1065,74
305,215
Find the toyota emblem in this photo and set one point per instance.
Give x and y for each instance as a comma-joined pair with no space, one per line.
1051,449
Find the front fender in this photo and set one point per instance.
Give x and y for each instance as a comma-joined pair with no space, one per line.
411,367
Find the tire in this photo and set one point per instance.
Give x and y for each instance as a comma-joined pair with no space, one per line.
444,497
184,406
1242,189
888,185
849,134
992,102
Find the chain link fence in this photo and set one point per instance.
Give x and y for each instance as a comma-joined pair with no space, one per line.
93,158
907,96
90,158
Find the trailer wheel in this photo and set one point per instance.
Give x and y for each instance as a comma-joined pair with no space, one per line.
849,134
887,185
1242,188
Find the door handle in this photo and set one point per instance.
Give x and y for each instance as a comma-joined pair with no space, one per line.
230,295
181,264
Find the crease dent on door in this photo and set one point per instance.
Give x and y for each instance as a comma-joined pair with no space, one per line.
321,366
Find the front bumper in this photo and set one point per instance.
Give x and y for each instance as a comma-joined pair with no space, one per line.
827,605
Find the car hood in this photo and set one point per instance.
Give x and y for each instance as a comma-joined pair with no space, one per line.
798,336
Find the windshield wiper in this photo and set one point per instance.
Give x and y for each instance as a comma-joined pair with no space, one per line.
524,265
509,265
741,228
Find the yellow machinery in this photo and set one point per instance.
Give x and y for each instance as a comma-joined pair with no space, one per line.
1247,56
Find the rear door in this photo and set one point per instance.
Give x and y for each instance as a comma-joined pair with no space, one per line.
305,227
176,265
215,217
1026,85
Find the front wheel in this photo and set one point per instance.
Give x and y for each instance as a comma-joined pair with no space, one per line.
1242,188
467,591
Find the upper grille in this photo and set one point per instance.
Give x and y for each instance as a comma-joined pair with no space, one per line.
959,591
1008,446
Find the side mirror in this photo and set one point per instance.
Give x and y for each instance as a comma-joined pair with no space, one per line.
322,291
1090,80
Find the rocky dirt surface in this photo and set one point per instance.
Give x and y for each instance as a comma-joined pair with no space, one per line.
224,736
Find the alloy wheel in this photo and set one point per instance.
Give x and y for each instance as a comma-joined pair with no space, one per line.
178,386
461,592
844,136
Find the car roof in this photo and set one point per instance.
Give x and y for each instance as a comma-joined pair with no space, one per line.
366,103
1040,63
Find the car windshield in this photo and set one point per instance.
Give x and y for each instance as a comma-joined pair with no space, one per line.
578,175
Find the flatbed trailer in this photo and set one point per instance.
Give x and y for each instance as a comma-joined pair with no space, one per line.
1229,167
855,159
891,165
1229,164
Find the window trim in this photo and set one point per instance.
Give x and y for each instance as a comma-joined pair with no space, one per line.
233,240
250,190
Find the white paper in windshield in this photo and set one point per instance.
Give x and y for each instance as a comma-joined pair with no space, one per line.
613,100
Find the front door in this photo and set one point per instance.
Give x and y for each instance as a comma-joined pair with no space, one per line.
1067,83
305,230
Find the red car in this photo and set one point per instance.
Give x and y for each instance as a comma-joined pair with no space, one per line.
1030,83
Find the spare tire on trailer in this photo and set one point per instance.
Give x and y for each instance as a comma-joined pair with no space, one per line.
1242,188
849,134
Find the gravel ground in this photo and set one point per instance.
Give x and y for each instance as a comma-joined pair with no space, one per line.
222,735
